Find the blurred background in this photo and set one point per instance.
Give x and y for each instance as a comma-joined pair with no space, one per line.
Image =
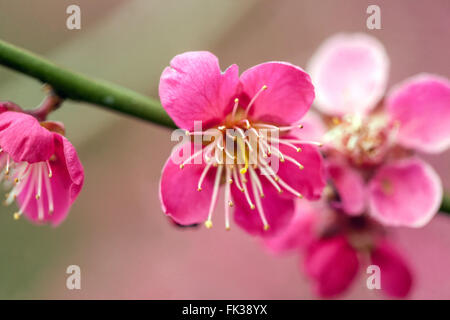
116,231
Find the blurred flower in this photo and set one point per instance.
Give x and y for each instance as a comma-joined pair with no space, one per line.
39,165
370,140
266,101
336,244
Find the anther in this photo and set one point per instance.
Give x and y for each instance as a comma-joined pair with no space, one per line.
208,224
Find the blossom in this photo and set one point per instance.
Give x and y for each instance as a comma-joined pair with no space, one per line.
371,138
251,117
39,165
337,245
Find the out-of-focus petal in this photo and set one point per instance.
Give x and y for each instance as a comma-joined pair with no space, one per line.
332,264
299,233
349,72
396,278
350,187
405,193
421,107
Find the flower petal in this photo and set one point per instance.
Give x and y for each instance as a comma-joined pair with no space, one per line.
278,210
288,96
421,105
299,233
310,180
405,193
333,264
194,89
349,72
65,185
350,187
178,192
396,278
24,139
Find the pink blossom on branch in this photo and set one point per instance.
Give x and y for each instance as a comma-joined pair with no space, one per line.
270,97
371,140
39,165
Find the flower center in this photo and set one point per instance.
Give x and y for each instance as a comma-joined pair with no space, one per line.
362,141
28,179
242,151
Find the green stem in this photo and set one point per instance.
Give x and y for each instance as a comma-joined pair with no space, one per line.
75,86
445,205
71,85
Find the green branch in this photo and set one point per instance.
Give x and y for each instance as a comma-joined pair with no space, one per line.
445,205
75,86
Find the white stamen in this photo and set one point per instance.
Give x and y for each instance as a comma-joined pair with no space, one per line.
228,202
208,222
203,175
264,87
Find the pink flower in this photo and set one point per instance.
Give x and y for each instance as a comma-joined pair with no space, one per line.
41,167
371,139
265,101
336,245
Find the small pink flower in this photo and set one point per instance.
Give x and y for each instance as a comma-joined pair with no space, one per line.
370,140
41,166
336,245
270,97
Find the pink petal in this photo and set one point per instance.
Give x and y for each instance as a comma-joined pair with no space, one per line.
421,105
350,73
333,264
350,187
194,89
288,96
309,181
278,210
396,278
66,183
299,232
24,139
405,193
178,192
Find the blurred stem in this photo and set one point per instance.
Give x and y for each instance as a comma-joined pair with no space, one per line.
78,87
75,86
445,205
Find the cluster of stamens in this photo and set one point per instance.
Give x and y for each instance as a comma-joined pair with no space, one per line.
243,150
361,140
30,178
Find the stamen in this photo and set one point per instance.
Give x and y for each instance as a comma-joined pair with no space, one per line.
190,158
293,146
39,187
290,159
208,222
228,202
49,169
289,188
243,152
256,180
242,134
202,176
236,104
27,198
48,188
247,196
260,207
264,87
235,178
271,180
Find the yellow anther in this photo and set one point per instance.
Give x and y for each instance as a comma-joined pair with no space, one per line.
264,87
252,206
208,224
199,189
266,227
230,203
301,167
299,149
181,166
16,216
38,196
